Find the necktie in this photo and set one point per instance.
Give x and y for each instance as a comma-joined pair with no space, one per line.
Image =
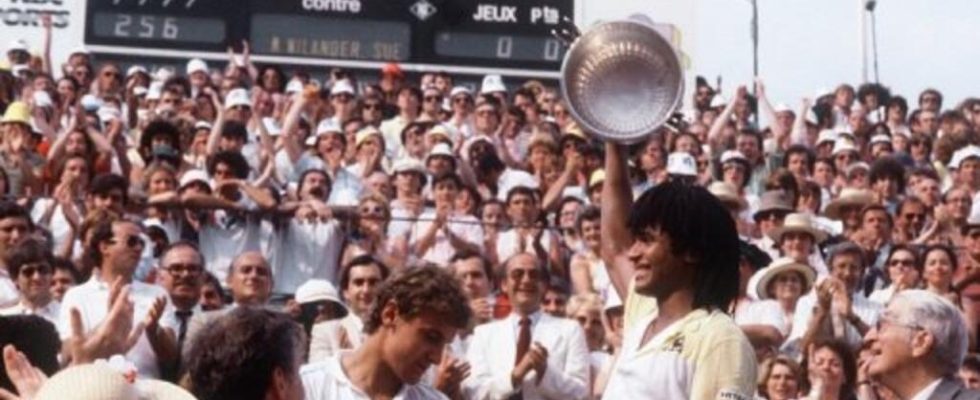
523,345
523,339
182,317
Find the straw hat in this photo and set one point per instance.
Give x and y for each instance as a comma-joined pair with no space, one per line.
366,133
798,222
727,193
773,200
100,381
779,266
848,197
598,176
17,112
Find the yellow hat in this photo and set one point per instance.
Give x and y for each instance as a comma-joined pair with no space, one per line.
366,133
440,130
575,131
17,112
598,176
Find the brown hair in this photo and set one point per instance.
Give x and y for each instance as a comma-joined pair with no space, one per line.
418,290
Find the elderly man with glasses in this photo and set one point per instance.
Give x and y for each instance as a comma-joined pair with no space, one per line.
917,347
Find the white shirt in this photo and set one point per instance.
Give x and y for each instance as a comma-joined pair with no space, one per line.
92,301
227,238
327,380
9,295
926,392
509,243
865,309
763,312
302,250
58,224
48,312
493,350
329,338
465,226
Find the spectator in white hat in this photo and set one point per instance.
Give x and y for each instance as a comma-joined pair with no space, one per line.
409,201
493,85
462,104
342,99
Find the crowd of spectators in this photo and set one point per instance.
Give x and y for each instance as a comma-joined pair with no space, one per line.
236,230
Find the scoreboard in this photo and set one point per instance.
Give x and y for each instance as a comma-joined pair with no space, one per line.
511,37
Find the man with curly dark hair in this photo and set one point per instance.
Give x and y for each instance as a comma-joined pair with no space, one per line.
416,314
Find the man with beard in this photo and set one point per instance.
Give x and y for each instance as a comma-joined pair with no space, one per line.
417,314
673,256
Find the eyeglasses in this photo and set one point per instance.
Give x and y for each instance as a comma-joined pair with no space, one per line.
914,216
882,321
30,270
131,242
519,274
485,113
241,108
343,97
372,106
433,99
771,215
183,269
372,210
558,301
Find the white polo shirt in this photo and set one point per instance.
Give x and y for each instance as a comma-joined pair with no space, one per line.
92,301
326,380
9,295
702,356
49,312
301,250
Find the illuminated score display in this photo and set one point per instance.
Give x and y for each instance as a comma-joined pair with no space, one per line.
512,34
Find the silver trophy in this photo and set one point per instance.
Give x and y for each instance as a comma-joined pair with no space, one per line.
621,79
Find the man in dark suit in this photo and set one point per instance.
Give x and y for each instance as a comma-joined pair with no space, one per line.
917,347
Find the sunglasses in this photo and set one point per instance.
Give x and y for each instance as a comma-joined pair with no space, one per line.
518,274
901,262
913,216
241,108
372,106
183,269
31,269
131,242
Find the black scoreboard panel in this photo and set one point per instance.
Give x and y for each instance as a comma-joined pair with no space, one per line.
511,34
